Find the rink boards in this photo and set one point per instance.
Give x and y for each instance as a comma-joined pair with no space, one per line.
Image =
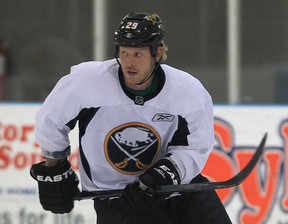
262,198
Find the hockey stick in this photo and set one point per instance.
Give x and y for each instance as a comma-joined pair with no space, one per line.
181,188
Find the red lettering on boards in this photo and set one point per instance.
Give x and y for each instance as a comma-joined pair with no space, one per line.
259,190
284,133
4,158
10,157
11,132
224,134
225,170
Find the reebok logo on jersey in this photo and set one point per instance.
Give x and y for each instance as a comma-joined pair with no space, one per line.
163,117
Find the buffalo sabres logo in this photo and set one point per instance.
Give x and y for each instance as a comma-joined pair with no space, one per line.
131,148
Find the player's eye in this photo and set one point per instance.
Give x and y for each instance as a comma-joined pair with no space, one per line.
138,54
123,53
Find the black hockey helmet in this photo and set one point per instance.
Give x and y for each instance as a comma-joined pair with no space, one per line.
140,30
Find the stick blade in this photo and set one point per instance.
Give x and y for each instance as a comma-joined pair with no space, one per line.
233,182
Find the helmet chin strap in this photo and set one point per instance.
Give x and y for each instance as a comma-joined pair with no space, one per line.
156,65
115,56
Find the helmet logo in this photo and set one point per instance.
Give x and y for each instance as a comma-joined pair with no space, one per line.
129,35
152,18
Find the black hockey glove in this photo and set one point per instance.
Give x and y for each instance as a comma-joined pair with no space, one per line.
135,196
161,173
135,199
57,185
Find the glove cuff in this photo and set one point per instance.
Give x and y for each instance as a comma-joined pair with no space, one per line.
60,171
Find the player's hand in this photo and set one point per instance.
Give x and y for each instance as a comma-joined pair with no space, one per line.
161,173
135,196
57,186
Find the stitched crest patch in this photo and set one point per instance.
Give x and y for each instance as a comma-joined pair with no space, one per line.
131,148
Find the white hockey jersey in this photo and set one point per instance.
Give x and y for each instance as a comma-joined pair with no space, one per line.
120,134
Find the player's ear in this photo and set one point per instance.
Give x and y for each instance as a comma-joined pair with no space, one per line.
159,53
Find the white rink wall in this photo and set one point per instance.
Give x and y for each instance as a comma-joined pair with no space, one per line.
262,198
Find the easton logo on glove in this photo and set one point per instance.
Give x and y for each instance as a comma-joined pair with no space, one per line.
162,170
161,173
60,172
55,178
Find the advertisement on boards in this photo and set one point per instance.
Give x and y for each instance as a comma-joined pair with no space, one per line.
261,198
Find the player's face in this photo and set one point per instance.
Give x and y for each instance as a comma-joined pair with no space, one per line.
137,64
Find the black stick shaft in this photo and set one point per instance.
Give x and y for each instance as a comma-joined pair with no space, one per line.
234,181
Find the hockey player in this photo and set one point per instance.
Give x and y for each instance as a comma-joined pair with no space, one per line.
141,124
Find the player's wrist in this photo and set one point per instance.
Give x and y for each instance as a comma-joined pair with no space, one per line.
53,162
56,155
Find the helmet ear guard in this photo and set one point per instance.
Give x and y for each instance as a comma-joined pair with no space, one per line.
140,30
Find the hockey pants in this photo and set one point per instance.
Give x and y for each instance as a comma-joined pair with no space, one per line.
201,207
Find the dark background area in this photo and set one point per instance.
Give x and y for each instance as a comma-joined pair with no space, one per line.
45,38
